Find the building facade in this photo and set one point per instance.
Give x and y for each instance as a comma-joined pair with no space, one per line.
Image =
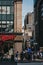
29,19
29,26
38,9
11,23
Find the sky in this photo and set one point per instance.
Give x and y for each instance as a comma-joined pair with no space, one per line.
27,6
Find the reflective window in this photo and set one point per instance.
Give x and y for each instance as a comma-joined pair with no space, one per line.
0,2
3,17
8,3
8,10
42,14
11,3
3,22
11,22
0,21
8,17
8,22
0,10
3,26
11,31
7,26
3,2
11,11
42,5
0,25
0,16
42,9
3,10
11,16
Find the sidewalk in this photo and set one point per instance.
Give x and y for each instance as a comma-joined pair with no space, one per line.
38,60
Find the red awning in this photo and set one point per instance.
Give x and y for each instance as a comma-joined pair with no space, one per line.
7,37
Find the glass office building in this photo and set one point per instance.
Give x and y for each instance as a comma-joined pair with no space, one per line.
6,16
38,9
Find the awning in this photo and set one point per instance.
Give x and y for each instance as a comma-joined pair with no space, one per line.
7,37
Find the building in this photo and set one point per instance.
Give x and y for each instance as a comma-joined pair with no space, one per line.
29,19
38,16
29,22
29,26
11,23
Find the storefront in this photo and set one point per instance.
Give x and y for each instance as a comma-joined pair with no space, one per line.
7,44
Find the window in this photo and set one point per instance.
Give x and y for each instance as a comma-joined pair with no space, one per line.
11,16
0,16
11,31
3,26
0,2
3,22
11,9
42,14
42,5
41,9
8,17
0,25
3,10
0,22
3,2
0,10
8,22
8,10
8,3
11,22
7,26
11,3
3,17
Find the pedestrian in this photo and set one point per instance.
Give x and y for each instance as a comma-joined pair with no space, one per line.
16,55
32,48
29,52
22,55
41,54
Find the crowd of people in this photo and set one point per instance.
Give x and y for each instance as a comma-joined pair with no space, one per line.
28,54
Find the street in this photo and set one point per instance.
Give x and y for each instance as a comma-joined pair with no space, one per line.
21,63
33,63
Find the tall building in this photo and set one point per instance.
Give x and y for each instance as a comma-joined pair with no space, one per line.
29,19
11,23
29,27
38,9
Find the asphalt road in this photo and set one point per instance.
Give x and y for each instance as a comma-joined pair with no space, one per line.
24,63
36,63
